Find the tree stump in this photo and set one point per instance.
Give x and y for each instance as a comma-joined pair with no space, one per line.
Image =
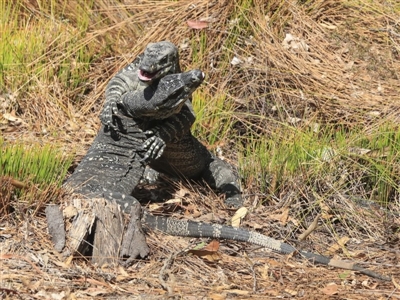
99,229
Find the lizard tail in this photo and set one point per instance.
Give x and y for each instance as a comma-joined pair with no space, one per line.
188,228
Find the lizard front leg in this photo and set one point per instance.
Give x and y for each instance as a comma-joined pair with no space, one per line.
124,81
168,130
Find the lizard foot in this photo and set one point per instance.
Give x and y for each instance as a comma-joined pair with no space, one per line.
155,147
107,114
150,176
233,196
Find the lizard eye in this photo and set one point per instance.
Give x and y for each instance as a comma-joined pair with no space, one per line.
174,96
164,60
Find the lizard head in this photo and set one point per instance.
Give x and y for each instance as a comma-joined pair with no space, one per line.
178,88
158,60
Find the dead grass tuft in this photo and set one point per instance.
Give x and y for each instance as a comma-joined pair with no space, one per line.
235,270
272,67
332,68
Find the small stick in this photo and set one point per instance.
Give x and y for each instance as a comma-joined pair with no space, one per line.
16,183
167,263
310,228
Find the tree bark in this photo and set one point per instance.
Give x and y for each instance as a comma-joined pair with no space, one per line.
96,227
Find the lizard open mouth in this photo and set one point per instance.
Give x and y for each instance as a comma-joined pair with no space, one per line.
146,76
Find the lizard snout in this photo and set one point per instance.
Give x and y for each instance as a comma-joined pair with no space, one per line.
197,76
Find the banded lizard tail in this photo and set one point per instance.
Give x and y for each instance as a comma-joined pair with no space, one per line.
188,228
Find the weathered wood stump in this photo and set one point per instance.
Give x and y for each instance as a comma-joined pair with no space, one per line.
99,229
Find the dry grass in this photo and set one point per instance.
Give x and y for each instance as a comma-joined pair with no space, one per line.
340,71
237,270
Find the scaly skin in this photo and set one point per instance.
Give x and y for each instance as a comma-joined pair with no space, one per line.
115,163
198,229
158,60
171,148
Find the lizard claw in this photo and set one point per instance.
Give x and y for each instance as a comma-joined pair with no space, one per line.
111,126
108,114
114,108
154,148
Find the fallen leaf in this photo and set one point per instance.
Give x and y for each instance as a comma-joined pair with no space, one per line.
345,274
12,119
265,272
343,241
58,296
238,216
191,210
197,24
70,211
217,296
291,292
210,252
122,271
182,192
69,260
338,245
210,256
173,201
294,44
282,217
285,216
200,246
155,207
213,246
274,263
325,211
330,289
235,61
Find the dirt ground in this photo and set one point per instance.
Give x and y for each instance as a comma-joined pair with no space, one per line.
331,69
176,269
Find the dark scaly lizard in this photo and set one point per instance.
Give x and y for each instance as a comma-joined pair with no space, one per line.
171,148
114,165
158,60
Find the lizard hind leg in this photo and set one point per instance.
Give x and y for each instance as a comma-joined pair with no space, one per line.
219,175
125,201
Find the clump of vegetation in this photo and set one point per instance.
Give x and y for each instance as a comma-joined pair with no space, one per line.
270,78
275,70
303,96
339,156
36,171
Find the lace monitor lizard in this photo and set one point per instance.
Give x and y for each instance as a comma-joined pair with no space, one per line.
115,163
171,148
